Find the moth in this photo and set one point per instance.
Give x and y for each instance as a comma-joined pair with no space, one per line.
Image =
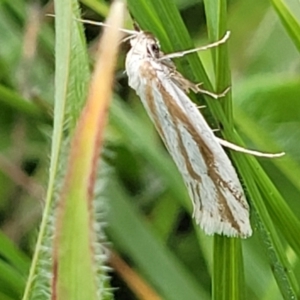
219,202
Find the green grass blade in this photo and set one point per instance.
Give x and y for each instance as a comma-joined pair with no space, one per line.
289,225
71,79
15,101
281,268
135,239
12,255
260,137
74,253
216,14
11,281
272,93
228,277
289,21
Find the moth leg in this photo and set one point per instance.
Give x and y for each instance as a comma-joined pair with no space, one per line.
197,89
247,151
187,85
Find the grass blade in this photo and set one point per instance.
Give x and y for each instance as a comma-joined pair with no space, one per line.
162,269
71,79
228,272
74,255
288,20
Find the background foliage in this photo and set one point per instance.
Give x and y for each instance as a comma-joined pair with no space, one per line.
148,219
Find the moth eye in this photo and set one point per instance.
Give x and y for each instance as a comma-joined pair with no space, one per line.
153,50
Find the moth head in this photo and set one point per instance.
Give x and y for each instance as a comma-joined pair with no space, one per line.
146,44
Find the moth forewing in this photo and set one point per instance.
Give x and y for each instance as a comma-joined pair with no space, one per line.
217,195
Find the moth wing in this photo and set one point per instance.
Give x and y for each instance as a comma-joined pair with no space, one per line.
217,195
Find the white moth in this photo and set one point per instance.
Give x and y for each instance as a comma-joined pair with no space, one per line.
218,199
219,203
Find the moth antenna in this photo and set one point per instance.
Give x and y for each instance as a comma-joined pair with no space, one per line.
96,23
127,38
131,32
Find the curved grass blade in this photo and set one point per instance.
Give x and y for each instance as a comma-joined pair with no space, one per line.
74,258
71,79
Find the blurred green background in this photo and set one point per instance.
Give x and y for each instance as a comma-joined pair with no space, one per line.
153,232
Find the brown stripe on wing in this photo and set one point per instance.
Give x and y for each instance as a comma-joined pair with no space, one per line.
195,190
208,156
184,153
226,213
148,72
